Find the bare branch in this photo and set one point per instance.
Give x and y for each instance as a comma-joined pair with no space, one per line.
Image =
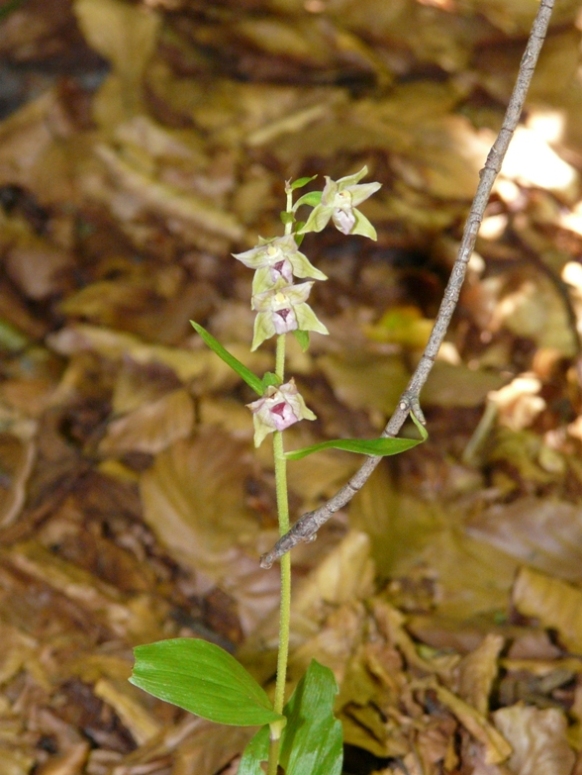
305,529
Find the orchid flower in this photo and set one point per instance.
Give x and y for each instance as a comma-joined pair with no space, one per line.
276,260
339,201
279,408
283,309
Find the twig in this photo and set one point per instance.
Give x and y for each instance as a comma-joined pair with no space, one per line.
305,529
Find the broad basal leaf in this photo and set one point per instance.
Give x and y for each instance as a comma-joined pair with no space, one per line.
204,679
311,742
256,752
312,739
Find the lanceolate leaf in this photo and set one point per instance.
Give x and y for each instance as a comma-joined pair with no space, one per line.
251,379
300,182
204,679
382,447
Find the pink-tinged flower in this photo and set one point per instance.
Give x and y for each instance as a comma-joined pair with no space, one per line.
278,409
281,310
277,261
339,201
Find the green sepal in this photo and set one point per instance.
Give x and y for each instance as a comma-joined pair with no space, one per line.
270,379
246,374
300,182
312,198
318,219
363,226
303,339
204,679
382,447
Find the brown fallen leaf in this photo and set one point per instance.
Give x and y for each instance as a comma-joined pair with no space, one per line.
151,427
554,603
478,670
111,28
497,749
194,501
17,456
130,707
545,533
538,739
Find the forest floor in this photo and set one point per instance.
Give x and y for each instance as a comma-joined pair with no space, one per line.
140,145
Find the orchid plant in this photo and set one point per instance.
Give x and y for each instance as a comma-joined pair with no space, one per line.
301,736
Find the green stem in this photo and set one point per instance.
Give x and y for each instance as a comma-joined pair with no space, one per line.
289,226
285,604
283,516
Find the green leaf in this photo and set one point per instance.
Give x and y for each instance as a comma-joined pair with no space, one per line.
256,752
203,679
251,379
286,217
311,742
381,447
312,199
303,339
300,182
419,426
